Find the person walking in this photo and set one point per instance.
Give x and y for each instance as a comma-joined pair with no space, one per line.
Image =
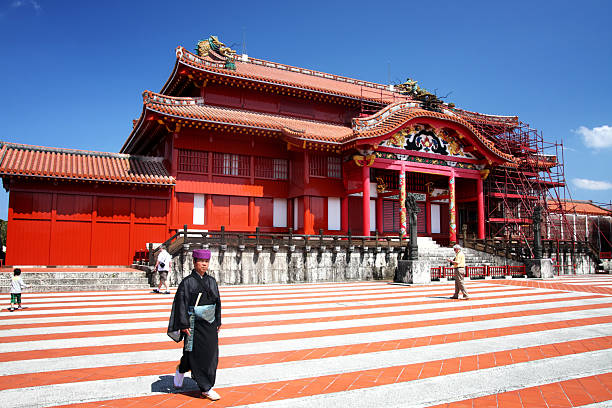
196,319
17,285
459,265
162,266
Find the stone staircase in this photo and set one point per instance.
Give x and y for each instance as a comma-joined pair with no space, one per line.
77,279
437,255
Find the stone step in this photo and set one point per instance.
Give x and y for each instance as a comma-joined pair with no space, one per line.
91,282
81,279
80,288
77,275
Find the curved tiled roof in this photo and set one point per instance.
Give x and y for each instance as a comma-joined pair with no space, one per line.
49,162
578,207
285,75
392,117
499,120
195,109
385,121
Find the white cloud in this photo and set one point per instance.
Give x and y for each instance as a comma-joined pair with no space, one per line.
592,184
598,137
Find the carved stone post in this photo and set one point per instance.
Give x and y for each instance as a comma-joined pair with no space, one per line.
413,211
413,270
538,267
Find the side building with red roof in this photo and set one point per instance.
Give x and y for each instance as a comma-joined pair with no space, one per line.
246,143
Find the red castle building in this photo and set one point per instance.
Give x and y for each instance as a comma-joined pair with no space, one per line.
241,142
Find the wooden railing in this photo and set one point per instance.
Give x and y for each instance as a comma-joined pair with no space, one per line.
519,250
258,241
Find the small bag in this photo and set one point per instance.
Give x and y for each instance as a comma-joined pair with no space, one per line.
162,264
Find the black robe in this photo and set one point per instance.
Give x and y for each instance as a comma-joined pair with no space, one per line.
204,357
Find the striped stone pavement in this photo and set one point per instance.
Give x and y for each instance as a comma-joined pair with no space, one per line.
517,343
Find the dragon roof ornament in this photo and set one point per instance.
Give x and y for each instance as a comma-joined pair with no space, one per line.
429,101
215,49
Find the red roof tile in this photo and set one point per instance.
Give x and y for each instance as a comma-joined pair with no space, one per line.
48,162
281,74
383,122
194,108
393,116
579,207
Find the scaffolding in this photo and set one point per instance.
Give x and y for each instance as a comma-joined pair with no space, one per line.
534,178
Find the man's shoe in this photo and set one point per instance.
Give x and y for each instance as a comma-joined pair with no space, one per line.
453,297
19,307
11,309
167,292
178,379
211,395
155,290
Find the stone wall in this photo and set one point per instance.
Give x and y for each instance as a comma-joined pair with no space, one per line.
233,267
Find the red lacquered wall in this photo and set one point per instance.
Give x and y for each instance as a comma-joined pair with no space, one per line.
83,224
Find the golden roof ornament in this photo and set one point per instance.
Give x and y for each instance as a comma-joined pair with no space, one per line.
213,48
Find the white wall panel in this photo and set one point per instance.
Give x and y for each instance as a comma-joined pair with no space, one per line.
199,203
279,214
333,213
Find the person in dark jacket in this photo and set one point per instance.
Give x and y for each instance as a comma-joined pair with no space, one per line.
196,319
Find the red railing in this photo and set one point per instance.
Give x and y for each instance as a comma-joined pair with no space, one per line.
516,270
605,255
474,271
496,271
480,271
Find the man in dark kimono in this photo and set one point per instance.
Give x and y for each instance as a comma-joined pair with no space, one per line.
196,318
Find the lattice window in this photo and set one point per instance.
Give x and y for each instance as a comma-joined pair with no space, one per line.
194,161
227,164
273,169
281,169
415,182
334,167
317,165
325,166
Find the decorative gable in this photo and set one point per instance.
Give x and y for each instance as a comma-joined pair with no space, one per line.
427,139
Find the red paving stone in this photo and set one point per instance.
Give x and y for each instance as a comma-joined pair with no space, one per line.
574,392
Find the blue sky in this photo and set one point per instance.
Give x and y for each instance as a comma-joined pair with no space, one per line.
73,72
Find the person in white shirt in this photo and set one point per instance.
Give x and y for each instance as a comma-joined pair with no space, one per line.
17,285
162,266
459,265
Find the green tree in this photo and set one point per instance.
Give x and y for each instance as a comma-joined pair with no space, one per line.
2,233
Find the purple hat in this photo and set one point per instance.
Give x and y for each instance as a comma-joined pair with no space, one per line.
201,254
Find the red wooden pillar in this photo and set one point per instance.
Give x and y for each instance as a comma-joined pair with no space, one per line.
308,217
290,225
452,209
402,202
208,212
481,212
428,214
251,212
344,215
365,178
379,214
